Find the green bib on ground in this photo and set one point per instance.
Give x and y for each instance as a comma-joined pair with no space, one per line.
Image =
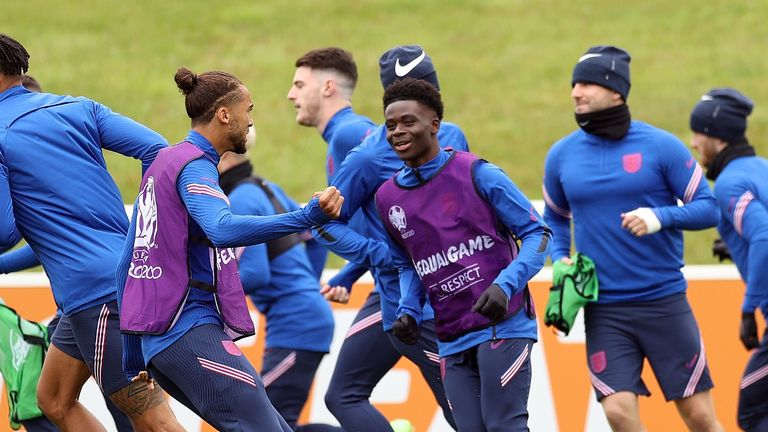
22,349
572,287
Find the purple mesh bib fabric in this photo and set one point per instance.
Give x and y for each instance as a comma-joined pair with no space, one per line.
158,276
450,233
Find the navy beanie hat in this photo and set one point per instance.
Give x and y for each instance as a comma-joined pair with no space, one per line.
407,61
606,66
722,113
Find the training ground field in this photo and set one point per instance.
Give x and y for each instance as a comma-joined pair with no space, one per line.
504,66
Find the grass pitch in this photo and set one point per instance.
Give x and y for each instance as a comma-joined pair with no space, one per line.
504,66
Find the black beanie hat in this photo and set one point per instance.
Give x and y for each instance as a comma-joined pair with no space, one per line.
605,66
407,61
722,113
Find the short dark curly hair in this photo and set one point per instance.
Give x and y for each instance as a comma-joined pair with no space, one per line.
415,90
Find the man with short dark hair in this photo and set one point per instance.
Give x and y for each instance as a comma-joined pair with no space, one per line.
321,92
719,123
620,181
453,222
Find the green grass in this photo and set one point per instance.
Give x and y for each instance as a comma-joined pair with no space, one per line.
504,66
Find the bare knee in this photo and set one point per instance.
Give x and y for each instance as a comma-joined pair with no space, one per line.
698,413
621,409
701,419
619,419
54,405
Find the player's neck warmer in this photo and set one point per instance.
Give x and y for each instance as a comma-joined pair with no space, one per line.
233,176
612,123
733,151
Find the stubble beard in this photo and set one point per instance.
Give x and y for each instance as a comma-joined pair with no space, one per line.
238,138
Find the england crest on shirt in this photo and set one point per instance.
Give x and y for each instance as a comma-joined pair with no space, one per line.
632,162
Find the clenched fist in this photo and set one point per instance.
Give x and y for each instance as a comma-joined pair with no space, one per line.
330,201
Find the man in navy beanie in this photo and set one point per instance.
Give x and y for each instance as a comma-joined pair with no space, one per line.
719,123
619,180
370,348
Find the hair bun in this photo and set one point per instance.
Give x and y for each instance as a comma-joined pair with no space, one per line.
186,80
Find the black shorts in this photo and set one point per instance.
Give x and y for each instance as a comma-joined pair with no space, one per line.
93,336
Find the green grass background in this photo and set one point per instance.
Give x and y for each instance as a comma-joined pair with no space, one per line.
504,66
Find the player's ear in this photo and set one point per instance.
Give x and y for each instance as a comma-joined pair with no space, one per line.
223,115
329,87
435,125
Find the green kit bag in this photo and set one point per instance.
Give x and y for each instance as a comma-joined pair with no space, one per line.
572,287
23,345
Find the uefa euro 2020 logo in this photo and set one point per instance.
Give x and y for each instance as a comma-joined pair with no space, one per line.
397,217
146,222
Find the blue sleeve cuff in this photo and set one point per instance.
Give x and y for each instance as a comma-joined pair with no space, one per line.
508,290
347,276
660,215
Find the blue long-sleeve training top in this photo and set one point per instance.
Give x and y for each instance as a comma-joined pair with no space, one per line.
343,132
65,203
286,288
366,168
741,190
9,234
593,181
210,216
514,210
18,260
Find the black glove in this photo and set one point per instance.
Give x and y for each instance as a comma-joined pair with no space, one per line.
405,329
492,304
748,330
720,250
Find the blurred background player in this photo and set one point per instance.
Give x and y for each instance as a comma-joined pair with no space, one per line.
30,83
719,123
620,180
445,210
181,257
370,350
51,152
284,286
321,93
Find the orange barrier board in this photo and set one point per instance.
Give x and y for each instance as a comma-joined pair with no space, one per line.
561,395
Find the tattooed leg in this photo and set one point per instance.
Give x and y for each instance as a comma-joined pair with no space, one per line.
146,406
